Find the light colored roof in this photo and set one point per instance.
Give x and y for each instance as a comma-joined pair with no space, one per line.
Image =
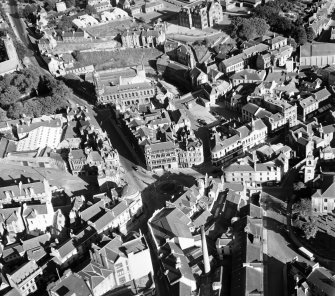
23,272
56,123
317,49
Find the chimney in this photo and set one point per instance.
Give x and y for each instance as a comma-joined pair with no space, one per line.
20,187
178,263
205,250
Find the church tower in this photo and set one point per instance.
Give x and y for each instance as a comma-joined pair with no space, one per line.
309,173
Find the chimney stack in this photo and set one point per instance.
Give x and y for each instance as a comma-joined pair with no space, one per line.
207,266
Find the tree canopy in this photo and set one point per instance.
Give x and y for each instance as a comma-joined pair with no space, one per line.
53,95
70,3
65,24
90,9
310,34
50,5
8,96
249,28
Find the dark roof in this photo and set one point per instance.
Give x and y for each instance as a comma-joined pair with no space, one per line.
70,284
323,280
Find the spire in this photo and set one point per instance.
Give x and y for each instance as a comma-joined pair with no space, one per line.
207,266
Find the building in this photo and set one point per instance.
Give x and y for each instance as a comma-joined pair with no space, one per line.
153,6
150,37
323,200
65,253
85,21
123,88
69,284
11,221
247,76
39,135
20,193
115,14
247,253
38,217
61,6
161,155
46,158
257,174
12,63
201,16
227,149
191,153
103,6
317,54
24,277
123,261
75,36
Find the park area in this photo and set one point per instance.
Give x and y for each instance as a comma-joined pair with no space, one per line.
118,58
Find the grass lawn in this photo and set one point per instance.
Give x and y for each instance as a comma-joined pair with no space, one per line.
120,58
113,28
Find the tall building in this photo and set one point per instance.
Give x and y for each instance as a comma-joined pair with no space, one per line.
124,88
201,16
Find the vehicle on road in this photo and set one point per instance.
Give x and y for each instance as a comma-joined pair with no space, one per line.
307,253
135,168
202,122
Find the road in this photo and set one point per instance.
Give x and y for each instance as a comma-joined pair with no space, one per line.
279,248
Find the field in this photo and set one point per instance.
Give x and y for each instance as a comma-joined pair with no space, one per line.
119,58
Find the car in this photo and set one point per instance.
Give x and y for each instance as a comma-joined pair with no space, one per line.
135,168
214,113
202,122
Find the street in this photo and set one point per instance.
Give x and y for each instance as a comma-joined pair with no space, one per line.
279,248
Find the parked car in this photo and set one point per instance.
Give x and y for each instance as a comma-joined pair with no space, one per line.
202,122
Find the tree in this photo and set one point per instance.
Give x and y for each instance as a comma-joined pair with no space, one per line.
298,186
310,229
15,111
33,108
90,9
8,96
32,78
260,26
310,34
28,12
224,48
3,115
65,24
299,34
50,5
303,208
292,42
70,3
249,28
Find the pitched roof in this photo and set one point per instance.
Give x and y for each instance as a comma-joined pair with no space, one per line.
323,280
169,223
26,189
95,274
24,272
251,108
70,284
66,248
56,123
